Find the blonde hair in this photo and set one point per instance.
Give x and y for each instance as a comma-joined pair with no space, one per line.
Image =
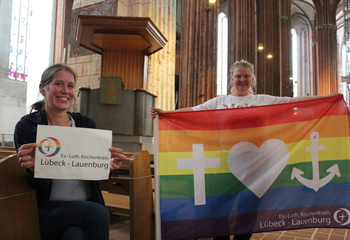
243,64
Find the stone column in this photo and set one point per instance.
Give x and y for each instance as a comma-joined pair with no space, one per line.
326,37
314,64
241,31
63,21
198,52
274,32
267,22
5,29
285,45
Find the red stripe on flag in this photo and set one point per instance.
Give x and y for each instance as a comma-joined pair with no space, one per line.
251,117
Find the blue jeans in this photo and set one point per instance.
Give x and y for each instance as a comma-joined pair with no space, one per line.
74,220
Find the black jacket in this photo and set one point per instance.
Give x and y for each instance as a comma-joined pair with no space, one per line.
25,132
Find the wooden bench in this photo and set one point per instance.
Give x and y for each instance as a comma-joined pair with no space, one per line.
129,192
18,207
7,151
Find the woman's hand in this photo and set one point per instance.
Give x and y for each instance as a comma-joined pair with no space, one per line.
117,157
305,98
155,111
26,155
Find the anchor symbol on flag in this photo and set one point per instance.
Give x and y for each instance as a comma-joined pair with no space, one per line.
316,183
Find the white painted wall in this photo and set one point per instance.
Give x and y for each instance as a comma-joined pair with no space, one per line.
12,104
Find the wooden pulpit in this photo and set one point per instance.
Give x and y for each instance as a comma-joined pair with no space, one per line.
124,43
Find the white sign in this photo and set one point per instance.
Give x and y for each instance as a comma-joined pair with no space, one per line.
72,153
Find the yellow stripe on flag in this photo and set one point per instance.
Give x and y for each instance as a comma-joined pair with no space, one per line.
334,149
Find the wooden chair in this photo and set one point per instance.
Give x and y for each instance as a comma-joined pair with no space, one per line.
18,207
129,192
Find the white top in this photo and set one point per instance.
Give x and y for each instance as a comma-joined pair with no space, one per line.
70,190
228,101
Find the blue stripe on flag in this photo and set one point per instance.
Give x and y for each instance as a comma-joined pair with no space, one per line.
282,198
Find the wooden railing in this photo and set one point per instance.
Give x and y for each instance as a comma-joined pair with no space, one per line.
6,140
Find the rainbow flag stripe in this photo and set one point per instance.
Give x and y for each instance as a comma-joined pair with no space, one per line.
256,169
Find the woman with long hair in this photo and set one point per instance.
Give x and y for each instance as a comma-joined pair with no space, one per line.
68,209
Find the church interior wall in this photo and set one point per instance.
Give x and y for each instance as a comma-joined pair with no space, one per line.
343,56
161,65
88,70
12,104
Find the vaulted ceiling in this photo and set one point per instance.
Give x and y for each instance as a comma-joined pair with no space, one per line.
306,9
303,8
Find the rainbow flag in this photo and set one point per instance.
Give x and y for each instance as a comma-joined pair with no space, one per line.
254,169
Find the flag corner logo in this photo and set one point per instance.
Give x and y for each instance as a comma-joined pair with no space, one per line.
342,216
49,146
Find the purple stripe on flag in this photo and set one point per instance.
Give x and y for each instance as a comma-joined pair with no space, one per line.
263,221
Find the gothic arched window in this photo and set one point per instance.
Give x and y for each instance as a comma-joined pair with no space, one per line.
222,55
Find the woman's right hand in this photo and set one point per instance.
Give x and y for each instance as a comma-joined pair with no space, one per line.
155,111
26,155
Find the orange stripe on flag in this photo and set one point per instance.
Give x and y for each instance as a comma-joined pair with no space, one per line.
182,140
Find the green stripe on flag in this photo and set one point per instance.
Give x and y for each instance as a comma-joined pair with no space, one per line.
179,186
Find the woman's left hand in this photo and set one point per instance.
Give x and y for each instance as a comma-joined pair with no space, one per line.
117,157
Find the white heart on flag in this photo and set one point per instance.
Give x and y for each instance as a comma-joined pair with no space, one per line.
257,168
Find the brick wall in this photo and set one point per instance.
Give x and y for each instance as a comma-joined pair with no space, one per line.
88,69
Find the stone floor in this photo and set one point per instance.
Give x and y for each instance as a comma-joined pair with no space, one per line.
119,228
120,231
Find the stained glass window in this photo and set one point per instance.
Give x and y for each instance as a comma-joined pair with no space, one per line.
21,17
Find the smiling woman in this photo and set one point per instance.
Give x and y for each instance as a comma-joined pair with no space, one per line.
57,87
242,78
59,93
57,81
242,95
62,203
